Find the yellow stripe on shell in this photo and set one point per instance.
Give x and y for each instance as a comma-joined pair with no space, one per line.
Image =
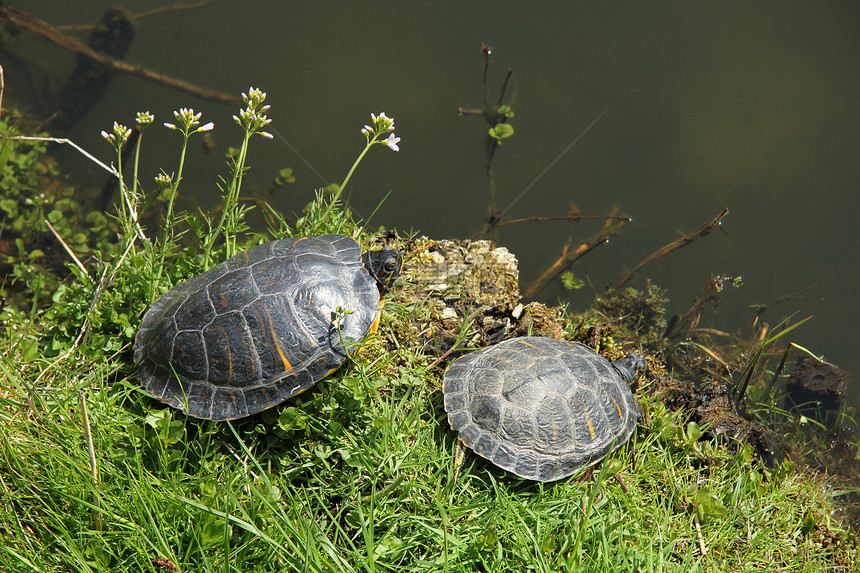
287,365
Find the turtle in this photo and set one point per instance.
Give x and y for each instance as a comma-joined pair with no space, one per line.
541,408
263,325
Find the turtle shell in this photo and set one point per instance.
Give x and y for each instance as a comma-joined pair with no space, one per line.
258,328
541,408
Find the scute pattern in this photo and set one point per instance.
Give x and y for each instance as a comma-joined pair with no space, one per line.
538,407
258,328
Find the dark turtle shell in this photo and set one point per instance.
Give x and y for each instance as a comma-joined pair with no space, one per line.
541,408
262,326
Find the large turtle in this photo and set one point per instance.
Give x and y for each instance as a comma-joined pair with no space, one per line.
262,326
541,408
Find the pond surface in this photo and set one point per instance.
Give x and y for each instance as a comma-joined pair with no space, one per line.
750,106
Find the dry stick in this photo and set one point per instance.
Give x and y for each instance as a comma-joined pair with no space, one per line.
703,231
68,249
566,218
155,12
94,468
85,153
569,256
689,323
54,35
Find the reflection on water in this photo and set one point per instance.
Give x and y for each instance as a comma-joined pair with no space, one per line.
736,105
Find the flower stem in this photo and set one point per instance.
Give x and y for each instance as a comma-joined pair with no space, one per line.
346,179
168,219
231,199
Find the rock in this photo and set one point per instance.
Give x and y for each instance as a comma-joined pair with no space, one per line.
816,390
469,287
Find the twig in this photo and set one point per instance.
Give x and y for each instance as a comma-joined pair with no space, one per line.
68,249
684,240
487,51
110,169
537,178
624,218
690,321
570,255
702,547
155,12
54,35
505,86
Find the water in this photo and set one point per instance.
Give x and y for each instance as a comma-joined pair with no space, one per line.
750,106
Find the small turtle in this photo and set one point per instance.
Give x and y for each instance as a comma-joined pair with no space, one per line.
541,408
262,326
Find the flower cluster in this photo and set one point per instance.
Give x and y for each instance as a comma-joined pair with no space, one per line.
119,135
253,118
186,119
143,119
163,180
382,125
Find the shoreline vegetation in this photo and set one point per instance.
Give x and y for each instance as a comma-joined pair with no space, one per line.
358,473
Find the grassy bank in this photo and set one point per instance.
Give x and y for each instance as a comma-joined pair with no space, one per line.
355,475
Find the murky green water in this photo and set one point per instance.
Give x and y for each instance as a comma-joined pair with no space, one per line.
750,106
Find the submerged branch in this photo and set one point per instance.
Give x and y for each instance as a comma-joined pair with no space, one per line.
684,240
153,12
624,218
570,254
56,36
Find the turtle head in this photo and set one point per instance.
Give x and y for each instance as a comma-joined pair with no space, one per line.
384,266
629,366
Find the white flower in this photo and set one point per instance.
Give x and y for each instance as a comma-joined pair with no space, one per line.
392,142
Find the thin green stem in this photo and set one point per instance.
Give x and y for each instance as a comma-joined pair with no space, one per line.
133,197
346,179
168,219
231,199
136,163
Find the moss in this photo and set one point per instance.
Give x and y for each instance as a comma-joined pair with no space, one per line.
635,314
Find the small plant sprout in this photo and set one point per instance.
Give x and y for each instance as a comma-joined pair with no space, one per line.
380,130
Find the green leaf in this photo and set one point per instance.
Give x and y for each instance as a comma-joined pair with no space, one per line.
570,282
708,505
694,432
501,131
10,206
213,531
292,420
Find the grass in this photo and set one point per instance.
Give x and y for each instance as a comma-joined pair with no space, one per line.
359,476
356,474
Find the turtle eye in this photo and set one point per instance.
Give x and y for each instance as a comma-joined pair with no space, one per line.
390,266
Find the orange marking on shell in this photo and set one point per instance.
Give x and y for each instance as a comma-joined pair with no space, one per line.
287,365
590,425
